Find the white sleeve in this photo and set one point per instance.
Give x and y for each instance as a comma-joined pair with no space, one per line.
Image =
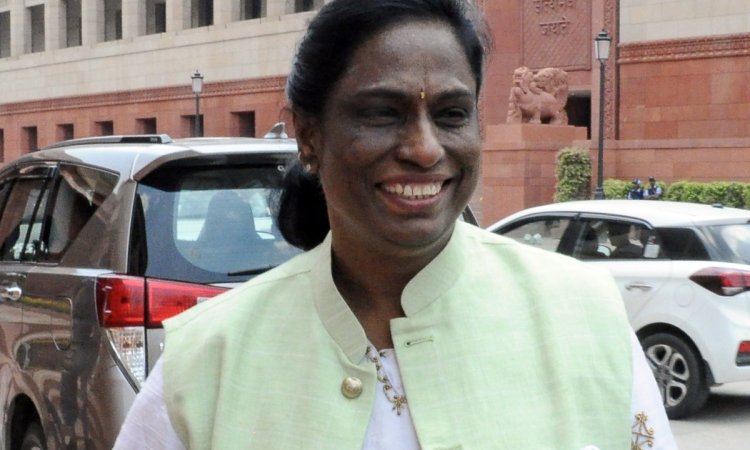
147,425
649,418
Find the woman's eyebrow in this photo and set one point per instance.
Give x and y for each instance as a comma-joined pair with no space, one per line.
455,93
382,92
398,94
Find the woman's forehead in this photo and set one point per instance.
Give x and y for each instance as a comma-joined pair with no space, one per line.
410,51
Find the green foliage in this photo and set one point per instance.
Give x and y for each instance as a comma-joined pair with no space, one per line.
573,175
677,191
616,189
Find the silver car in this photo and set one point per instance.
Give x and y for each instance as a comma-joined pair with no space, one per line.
684,272
100,240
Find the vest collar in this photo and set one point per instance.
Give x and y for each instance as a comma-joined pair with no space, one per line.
426,287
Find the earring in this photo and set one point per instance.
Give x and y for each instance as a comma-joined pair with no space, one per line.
308,167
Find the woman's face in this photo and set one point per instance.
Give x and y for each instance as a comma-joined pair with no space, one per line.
398,145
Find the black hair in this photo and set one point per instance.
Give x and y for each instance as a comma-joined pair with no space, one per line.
302,214
323,55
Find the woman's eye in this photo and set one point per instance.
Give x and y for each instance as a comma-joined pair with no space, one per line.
453,117
379,116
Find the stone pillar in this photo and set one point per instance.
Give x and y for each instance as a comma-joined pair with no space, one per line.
519,164
53,25
226,11
275,8
18,28
92,22
133,18
178,17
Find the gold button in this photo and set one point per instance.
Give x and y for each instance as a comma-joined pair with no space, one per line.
351,387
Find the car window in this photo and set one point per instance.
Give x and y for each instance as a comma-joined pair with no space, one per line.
615,239
80,192
27,231
545,233
624,240
22,217
211,224
682,244
732,242
592,241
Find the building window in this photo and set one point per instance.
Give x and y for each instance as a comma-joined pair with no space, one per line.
4,34
147,125
188,125
71,10
35,17
112,20
64,131
156,16
30,142
578,109
243,123
252,9
2,144
201,13
307,5
105,128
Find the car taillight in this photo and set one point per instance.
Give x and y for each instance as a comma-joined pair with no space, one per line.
120,300
128,305
168,298
722,281
743,354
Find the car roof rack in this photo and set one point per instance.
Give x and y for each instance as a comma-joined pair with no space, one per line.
120,139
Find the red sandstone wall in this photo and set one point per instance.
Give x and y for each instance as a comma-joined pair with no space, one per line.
503,17
171,107
674,160
686,89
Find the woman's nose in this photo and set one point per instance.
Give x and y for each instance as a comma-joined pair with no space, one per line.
422,146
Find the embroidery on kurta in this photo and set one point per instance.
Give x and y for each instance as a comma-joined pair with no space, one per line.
642,433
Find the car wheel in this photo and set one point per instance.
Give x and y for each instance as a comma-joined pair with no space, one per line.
679,373
33,439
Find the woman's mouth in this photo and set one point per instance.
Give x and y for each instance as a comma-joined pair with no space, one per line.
414,191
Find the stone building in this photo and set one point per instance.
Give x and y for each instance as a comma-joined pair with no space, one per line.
677,84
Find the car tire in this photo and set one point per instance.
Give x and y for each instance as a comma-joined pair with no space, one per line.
33,438
679,372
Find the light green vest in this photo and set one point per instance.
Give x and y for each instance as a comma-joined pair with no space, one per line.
503,347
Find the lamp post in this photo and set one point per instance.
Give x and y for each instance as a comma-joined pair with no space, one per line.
601,45
197,89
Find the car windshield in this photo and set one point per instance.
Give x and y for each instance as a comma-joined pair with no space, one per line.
211,225
732,242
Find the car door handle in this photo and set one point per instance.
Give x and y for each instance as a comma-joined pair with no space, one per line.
644,287
12,292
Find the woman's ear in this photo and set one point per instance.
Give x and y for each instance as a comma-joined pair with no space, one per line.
308,142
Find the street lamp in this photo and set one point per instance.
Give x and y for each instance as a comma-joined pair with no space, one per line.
197,89
601,45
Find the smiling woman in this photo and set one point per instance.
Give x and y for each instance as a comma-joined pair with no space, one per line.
399,328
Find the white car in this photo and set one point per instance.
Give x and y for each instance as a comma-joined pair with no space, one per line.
684,273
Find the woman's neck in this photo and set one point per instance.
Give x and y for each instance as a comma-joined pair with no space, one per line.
372,280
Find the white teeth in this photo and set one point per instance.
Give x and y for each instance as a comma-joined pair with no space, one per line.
414,191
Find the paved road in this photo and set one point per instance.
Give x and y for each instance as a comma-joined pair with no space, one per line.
723,424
